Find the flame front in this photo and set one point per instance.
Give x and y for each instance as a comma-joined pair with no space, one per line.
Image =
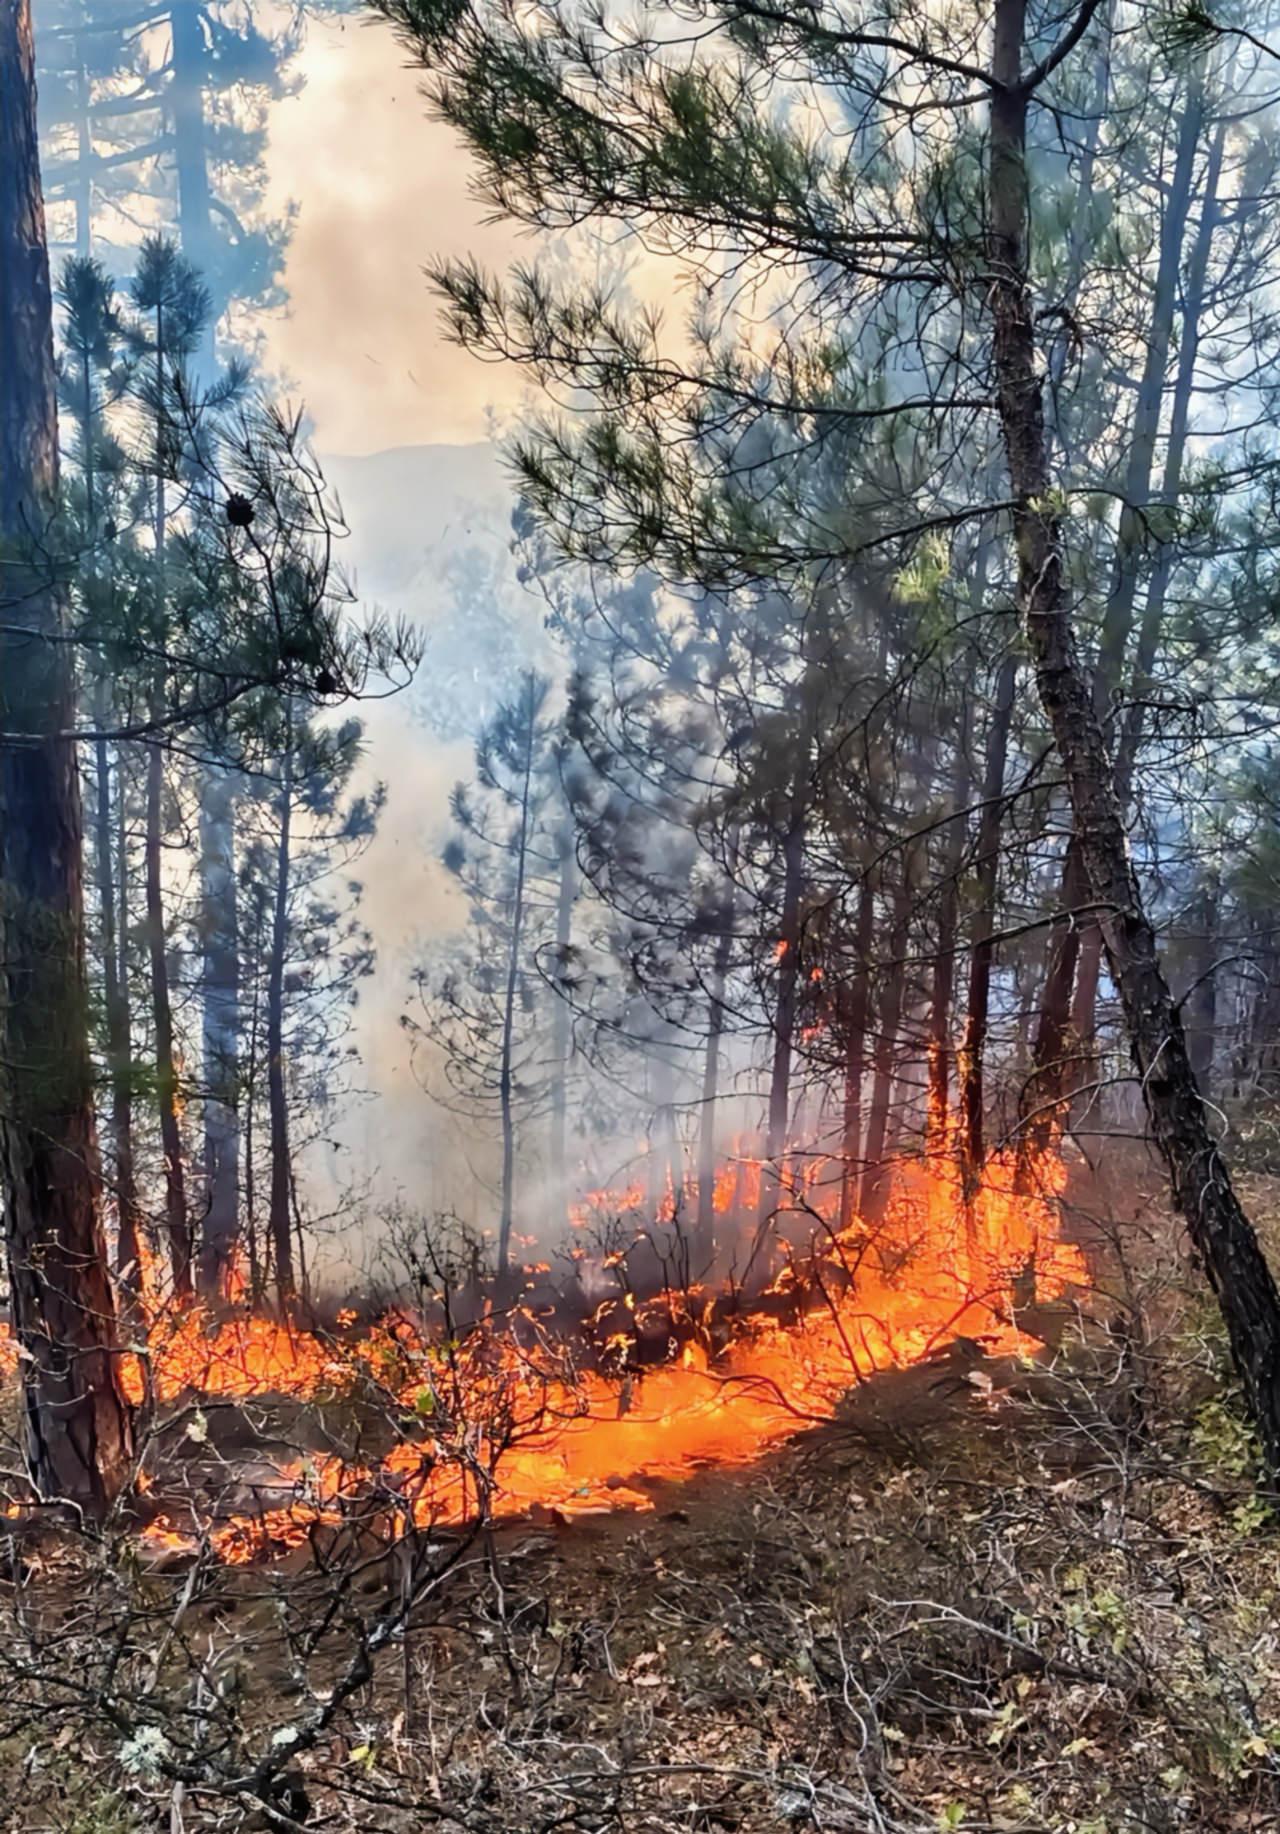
502,1421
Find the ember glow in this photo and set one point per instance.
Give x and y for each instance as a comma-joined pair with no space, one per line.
507,1418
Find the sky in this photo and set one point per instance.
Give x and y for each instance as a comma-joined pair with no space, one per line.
381,190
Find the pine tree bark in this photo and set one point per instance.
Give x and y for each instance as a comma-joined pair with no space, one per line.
1221,1234
77,1425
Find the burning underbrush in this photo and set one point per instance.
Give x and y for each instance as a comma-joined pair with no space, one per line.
474,1404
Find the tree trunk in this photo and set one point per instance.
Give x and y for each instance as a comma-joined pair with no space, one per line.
875,1174
115,1001
562,1033
279,1220
190,158
856,1004
708,1145
177,1223
506,1089
1201,998
77,1426
1223,1238
221,1026
942,992
982,952
773,1177
1117,623
1193,298
1044,1095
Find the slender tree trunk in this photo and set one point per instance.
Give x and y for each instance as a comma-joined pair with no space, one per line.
708,1144
190,157
1193,299
773,1179
83,183
562,1033
1117,623
506,1090
279,1220
221,1025
982,952
942,992
177,1222
119,1057
1201,999
854,1026
257,1275
875,1174
1221,1234
77,1425
1043,1102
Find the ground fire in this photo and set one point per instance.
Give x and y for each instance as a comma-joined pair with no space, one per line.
525,1407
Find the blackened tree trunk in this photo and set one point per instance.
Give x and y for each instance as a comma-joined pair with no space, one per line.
77,1424
279,1214
221,1026
1221,1234
982,951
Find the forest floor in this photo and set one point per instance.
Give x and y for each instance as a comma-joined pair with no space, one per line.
1022,1596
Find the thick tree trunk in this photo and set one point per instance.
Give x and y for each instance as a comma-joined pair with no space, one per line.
982,950
279,1218
1223,1237
78,1430
221,1026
